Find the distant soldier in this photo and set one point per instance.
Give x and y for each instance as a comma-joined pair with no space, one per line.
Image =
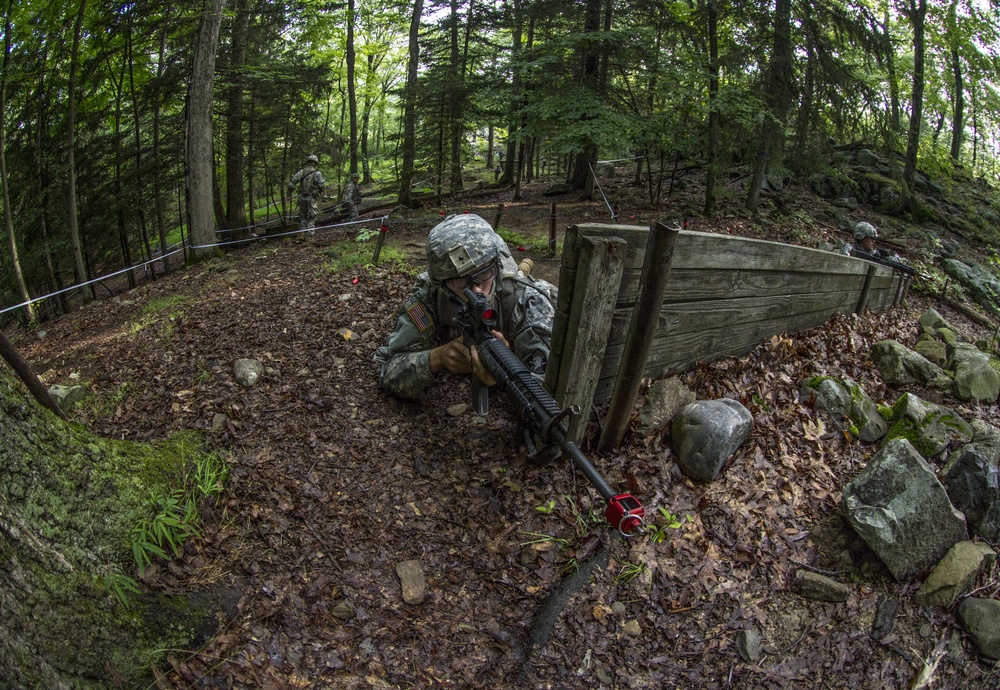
865,235
310,184
496,173
352,195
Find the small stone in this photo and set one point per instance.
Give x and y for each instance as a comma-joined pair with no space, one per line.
219,422
632,628
346,297
617,608
457,409
818,587
343,610
604,676
748,645
345,333
411,578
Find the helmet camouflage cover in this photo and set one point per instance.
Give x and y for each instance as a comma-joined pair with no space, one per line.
312,159
863,230
460,245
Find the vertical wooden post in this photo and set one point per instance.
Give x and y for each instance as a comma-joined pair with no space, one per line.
642,329
383,230
496,220
552,229
598,279
865,289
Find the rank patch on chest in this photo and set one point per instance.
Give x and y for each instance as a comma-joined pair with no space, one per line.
420,317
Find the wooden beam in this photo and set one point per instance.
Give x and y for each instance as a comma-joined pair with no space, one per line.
597,280
642,329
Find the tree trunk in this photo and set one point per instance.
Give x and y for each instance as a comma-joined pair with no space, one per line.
917,11
352,90
957,123
69,502
409,106
713,107
457,96
235,160
22,288
198,156
74,222
772,137
582,176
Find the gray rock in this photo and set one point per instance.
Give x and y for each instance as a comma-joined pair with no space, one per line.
67,396
900,509
818,587
981,284
934,351
973,486
706,433
902,366
981,619
955,574
412,581
930,427
664,399
932,319
247,372
847,399
975,378
987,439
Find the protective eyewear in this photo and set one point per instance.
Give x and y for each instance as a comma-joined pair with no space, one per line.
477,279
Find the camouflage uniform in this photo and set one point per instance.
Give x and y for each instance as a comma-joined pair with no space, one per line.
352,195
526,308
310,184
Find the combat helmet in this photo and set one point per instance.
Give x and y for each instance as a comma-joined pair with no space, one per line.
460,245
313,159
863,230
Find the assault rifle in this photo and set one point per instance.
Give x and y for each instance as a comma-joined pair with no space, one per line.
879,258
541,416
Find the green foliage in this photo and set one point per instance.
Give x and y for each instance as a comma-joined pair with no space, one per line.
514,239
628,572
174,517
541,538
346,255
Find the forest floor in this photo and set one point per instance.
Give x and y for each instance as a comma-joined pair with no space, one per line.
333,484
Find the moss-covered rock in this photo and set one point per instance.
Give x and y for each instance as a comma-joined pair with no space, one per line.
69,502
929,427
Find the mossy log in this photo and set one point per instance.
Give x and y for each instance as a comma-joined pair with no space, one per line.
68,504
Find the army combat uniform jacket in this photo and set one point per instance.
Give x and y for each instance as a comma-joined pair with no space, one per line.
526,307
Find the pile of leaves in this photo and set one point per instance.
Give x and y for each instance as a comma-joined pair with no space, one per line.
333,484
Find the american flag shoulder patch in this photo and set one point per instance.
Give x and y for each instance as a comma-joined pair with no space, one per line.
420,317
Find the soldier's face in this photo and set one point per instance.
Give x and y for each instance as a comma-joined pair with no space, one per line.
480,282
867,243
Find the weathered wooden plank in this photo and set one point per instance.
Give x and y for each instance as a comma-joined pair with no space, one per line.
599,275
681,352
690,317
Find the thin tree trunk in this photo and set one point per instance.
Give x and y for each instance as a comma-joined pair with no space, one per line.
74,222
713,106
235,164
409,108
199,133
917,11
22,288
352,95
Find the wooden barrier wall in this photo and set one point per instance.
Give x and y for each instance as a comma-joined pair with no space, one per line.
725,295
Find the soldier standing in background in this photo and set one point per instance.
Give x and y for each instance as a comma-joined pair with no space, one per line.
352,195
310,183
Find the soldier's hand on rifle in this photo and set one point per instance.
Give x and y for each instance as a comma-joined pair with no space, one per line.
479,369
453,356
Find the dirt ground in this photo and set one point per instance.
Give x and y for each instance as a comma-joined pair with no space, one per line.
334,484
